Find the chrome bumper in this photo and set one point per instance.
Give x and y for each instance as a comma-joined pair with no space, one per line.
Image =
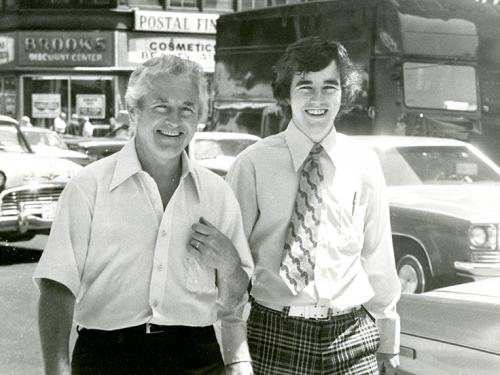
477,271
23,223
28,208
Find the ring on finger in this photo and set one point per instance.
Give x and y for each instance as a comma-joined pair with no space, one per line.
197,246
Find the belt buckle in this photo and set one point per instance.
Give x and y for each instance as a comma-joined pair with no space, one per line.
151,329
319,312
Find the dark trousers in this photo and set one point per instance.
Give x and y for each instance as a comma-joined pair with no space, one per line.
176,350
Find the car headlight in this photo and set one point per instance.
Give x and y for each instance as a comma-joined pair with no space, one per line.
483,237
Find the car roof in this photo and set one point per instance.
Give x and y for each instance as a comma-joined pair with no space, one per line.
36,129
225,135
7,120
383,141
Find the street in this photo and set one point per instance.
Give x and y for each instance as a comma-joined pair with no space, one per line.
19,343
20,352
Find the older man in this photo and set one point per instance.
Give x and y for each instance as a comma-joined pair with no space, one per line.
135,255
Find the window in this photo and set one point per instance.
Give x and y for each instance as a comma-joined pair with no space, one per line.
46,96
436,86
183,4
217,4
29,4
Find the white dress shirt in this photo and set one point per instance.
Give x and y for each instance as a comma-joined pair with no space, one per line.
355,260
125,259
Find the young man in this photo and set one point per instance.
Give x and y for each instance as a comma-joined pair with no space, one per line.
135,254
317,220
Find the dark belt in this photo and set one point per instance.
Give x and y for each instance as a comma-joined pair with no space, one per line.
145,329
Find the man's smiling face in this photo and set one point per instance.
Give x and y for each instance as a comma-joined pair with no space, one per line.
315,101
168,117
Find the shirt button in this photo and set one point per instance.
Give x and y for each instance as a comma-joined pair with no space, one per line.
163,233
155,303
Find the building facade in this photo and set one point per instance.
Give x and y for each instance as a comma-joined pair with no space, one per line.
75,56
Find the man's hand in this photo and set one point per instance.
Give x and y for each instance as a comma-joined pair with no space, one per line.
239,368
387,363
212,248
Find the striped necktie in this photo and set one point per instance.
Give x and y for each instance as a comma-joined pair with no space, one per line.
297,266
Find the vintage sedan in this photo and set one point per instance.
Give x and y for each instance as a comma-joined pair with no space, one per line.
41,141
46,142
445,210
30,186
217,150
96,147
454,330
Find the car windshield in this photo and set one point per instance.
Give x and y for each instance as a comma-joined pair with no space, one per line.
436,86
9,139
44,138
434,165
213,148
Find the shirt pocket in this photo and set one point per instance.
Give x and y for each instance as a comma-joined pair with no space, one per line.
199,278
353,225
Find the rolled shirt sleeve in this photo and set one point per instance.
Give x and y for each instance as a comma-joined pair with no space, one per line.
378,262
233,325
242,181
64,255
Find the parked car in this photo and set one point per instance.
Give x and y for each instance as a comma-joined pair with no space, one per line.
41,141
30,186
217,150
47,142
108,140
454,330
96,147
445,210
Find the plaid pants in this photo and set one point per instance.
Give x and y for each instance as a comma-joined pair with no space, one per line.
341,345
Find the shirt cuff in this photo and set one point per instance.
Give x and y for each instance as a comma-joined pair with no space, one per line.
389,330
234,342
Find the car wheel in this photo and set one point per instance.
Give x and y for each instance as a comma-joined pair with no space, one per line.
412,275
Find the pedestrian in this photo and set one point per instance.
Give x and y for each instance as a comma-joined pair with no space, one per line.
134,251
60,123
88,128
25,122
75,126
316,216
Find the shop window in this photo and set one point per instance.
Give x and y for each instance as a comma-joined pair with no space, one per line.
87,96
8,96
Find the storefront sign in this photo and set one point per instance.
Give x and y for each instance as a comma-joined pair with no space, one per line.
91,106
68,48
201,51
175,22
45,105
6,49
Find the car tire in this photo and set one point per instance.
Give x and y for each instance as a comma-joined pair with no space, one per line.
413,274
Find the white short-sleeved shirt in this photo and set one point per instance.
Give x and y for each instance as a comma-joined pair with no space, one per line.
125,259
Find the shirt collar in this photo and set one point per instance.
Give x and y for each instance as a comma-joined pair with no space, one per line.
300,145
128,164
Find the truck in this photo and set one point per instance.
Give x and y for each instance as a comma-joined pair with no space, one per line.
420,62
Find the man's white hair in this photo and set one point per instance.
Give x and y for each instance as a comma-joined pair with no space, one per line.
144,76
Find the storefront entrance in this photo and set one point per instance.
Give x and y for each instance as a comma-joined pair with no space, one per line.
45,96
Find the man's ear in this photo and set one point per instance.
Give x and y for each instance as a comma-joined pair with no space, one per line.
132,111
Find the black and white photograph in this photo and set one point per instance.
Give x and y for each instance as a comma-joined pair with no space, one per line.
250,187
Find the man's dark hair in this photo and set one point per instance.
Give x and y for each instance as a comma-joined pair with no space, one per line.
313,54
